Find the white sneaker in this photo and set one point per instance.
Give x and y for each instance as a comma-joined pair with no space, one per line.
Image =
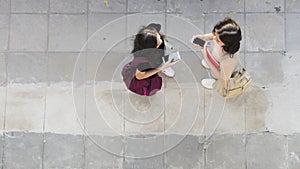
204,64
208,83
169,72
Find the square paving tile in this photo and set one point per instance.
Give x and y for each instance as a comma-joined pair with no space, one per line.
145,147
144,152
23,150
63,151
216,6
107,32
29,6
104,152
265,6
262,70
25,108
186,8
292,6
61,67
145,6
197,8
184,152
156,162
4,6
271,40
265,150
68,6
60,103
27,67
226,151
22,37
233,117
67,32
113,6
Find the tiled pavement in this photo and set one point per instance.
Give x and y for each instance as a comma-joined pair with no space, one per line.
234,151
63,104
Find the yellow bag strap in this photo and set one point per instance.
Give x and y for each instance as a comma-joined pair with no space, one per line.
226,85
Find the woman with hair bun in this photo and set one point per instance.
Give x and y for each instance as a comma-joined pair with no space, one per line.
222,56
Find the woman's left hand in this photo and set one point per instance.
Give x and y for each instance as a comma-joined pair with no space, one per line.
169,63
192,41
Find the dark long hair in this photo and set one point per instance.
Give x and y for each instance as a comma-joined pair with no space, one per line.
145,44
230,34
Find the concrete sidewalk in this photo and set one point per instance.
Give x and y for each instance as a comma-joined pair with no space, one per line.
64,105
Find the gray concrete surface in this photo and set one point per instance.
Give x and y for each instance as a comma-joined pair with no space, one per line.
63,103
254,151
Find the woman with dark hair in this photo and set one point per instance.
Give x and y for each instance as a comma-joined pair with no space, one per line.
138,45
141,74
149,43
222,56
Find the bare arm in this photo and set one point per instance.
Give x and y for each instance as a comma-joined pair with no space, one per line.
204,37
143,75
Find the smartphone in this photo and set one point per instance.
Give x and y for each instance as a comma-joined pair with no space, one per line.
199,42
175,56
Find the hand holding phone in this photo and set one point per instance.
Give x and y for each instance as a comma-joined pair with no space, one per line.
199,42
172,56
175,56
